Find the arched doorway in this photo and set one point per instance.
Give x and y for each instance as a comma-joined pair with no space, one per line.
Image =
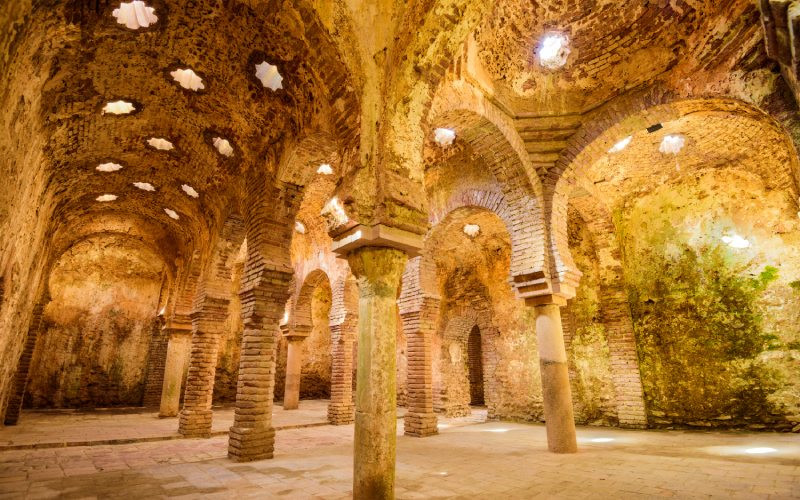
475,367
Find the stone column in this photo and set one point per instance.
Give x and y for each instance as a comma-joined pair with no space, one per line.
174,369
340,409
294,363
558,415
264,297
420,420
20,381
208,322
378,271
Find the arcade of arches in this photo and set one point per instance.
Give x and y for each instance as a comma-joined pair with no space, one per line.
413,217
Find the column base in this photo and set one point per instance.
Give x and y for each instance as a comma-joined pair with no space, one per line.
341,414
195,423
420,424
250,444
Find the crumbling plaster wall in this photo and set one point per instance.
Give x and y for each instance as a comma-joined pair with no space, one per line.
105,297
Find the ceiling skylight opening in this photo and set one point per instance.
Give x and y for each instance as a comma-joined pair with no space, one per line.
672,144
106,197
444,136
188,79
269,76
736,241
160,144
135,14
336,211
472,230
325,169
144,186
223,146
554,50
109,167
620,145
172,213
299,227
118,108
189,190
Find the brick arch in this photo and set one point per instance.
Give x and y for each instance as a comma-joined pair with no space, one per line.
301,310
303,156
491,134
615,121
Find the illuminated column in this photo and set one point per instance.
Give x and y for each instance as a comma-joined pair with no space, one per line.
175,366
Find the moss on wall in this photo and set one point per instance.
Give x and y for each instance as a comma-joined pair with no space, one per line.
715,324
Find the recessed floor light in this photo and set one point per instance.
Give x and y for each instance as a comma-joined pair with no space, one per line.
188,79
601,440
135,14
172,213
760,450
269,76
118,108
106,197
325,169
159,143
109,167
223,146
144,186
189,190
553,51
444,136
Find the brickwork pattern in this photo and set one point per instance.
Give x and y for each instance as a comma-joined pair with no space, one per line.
21,377
156,360
344,325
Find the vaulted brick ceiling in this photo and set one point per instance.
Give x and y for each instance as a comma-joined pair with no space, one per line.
615,46
97,60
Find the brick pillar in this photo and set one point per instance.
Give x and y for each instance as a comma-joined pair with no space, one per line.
263,301
175,365
556,392
625,372
378,271
20,381
208,323
420,326
340,409
156,359
294,363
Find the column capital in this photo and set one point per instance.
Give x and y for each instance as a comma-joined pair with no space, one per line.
546,300
379,235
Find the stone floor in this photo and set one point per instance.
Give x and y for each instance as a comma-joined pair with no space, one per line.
468,459
57,428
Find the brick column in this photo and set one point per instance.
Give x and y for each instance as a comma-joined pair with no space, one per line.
294,364
264,295
378,271
340,409
208,322
156,360
556,392
625,373
175,365
20,381
420,327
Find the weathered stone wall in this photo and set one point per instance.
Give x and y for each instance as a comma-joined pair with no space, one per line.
716,325
105,293
230,345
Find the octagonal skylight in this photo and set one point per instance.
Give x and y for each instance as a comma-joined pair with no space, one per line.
109,167
472,230
553,51
172,213
118,108
269,76
189,190
299,227
144,186
160,144
672,144
444,136
106,197
135,14
223,146
325,169
188,79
